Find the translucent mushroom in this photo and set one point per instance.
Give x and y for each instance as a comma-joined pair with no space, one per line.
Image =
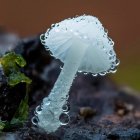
83,45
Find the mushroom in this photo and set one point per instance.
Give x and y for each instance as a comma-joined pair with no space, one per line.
83,45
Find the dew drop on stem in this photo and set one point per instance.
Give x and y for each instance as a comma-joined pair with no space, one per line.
34,120
64,118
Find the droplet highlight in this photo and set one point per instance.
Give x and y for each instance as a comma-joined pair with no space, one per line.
64,119
34,120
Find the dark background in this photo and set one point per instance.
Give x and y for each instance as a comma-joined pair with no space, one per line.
120,17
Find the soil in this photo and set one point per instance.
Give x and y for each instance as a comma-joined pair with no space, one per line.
99,108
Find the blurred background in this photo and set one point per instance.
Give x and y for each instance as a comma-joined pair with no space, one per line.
121,18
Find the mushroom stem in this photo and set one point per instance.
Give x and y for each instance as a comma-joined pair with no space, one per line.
49,117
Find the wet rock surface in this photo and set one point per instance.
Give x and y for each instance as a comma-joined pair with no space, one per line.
99,110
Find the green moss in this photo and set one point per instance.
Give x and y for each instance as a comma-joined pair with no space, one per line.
16,78
2,125
21,113
11,64
19,117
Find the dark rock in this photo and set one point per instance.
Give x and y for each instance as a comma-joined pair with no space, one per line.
3,78
9,136
10,98
127,134
82,134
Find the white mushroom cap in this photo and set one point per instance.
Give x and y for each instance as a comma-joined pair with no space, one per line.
99,57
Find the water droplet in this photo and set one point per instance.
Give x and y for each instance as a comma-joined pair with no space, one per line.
61,67
80,71
65,108
67,97
42,37
38,109
114,57
57,24
51,54
53,25
112,43
112,67
113,71
35,113
64,118
114,64
94,74
43,42
46,48
85,73
63,98
110,58
76,16
108,71
46,101
102,73
104,35
48,30
34,120
106,31
101,45
117,62
111,52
